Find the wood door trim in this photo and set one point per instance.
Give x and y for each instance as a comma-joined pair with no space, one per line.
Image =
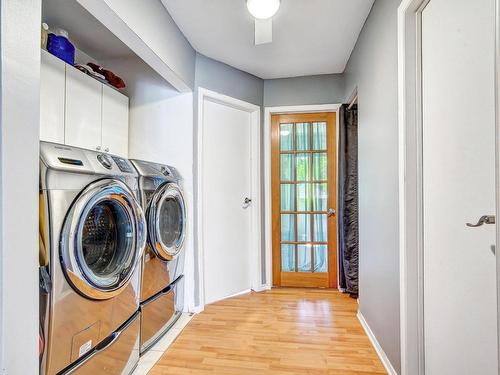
275,199
279,278
332,198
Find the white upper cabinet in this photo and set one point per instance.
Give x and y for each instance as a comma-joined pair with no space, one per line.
80,111
52,97
83,110
114,122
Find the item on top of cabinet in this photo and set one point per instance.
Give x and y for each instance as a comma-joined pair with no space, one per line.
44,35
59,45
87,70
111,78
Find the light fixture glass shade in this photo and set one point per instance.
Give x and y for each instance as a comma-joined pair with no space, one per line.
263,9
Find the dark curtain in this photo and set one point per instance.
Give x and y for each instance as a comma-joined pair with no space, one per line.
348,200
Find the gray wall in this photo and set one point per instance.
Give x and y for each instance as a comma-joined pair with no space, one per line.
320,89
224,79
154,25
373,69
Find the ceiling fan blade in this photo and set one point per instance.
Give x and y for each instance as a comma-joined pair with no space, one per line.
263,31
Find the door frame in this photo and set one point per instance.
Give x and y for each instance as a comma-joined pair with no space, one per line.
268,212
410,182
255,175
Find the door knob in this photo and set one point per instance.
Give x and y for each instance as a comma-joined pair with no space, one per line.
247,201
98,148
106,149
331,211
486,219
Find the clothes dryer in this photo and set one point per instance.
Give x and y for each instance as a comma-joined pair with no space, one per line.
162,286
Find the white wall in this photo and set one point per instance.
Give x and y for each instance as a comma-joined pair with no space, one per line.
161,130
19,143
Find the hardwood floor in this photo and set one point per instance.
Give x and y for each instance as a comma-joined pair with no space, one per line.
277,332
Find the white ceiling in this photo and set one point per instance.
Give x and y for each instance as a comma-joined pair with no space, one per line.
309,36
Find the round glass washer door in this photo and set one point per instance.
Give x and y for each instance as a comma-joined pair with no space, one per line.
167,221
102,239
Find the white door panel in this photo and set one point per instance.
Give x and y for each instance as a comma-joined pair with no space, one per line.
226,183
114,122
52,97
460,310
83,110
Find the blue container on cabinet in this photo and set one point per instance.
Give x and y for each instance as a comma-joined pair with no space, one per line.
61,47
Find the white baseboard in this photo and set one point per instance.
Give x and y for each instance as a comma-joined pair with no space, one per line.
262,287
197,309
380,352
246,291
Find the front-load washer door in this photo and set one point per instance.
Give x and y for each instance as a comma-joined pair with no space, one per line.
103,239
167,221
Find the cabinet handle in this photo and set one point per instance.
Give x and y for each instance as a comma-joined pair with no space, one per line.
98,148
106,149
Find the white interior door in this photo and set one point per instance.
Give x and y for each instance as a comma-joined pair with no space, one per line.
460,307
226,183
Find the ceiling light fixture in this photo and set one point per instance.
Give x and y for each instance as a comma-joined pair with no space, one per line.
263,9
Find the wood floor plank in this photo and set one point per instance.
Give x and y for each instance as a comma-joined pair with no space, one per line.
283,331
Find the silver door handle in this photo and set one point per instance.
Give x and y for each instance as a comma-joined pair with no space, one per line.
106,149
486,219
331,212
246,203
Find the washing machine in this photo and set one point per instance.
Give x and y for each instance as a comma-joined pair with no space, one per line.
162,284
94,232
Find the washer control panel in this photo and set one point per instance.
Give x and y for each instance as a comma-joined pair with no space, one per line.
105,161
123,164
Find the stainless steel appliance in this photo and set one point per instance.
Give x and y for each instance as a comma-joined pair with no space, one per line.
162,286
95,234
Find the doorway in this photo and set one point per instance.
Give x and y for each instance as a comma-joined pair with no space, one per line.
304,199
449,147
228,196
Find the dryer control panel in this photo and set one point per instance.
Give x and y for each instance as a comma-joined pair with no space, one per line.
123,164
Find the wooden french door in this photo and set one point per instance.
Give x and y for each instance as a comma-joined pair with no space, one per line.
304,200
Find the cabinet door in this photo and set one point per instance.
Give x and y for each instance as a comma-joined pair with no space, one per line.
83,110
52,93
114,122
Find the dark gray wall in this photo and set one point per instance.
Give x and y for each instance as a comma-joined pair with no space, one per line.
320,89
373,69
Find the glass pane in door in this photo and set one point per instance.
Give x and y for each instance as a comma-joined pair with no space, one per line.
286,137
286,167
303,134
287,228
304,258
287,258
287,197
320,258
319,136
